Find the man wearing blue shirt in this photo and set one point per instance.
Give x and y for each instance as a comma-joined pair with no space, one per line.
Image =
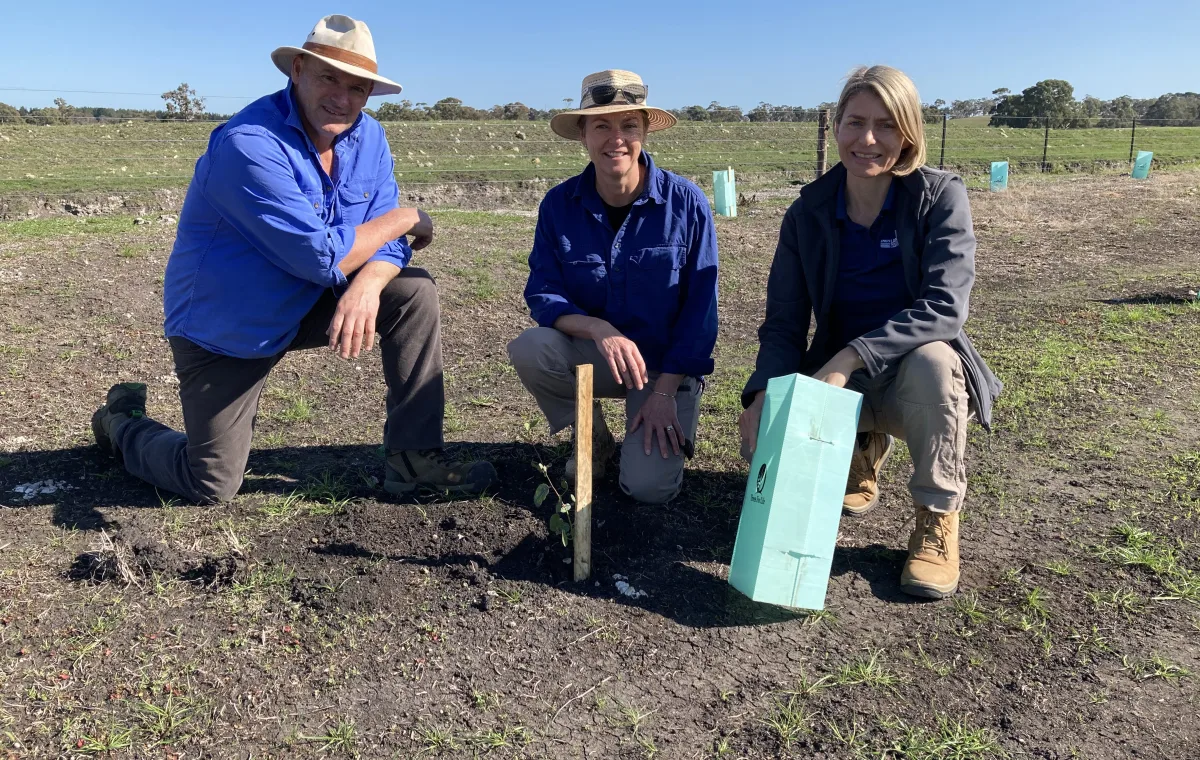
291,237
623,276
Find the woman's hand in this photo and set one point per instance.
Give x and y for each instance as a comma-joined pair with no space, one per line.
837,370
623,357
748,425
659,416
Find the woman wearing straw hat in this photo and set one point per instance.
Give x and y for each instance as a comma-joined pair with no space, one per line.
882,249
623,276
291,237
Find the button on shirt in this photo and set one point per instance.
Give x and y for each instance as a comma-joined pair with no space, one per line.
654,278
263,227
870,287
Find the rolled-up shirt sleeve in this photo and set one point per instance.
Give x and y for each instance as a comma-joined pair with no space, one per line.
546,292
253,187
694,333
385,198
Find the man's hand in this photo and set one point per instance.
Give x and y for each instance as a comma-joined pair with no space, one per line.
837,370
352,329
422,231
623,357
748,425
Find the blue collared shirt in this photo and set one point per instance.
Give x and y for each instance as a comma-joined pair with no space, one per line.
654,279
870,287
263,227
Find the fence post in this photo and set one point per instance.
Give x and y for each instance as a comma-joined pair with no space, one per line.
942,159
1045,143
1132,137
822,129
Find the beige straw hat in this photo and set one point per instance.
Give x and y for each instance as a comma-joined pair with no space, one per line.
611,91
345,44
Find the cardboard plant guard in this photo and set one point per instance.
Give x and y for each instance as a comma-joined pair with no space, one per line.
793,503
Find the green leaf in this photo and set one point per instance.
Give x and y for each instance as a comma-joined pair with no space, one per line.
540,494
557,524
564,508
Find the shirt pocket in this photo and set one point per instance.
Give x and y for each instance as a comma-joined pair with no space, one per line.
653,283
584,275
354,200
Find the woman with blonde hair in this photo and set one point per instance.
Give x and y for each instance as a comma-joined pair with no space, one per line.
881,250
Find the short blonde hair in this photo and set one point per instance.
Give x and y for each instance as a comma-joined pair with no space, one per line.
900,98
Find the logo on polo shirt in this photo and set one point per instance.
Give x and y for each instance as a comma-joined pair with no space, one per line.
893,243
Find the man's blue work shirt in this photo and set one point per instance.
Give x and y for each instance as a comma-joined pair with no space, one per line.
263,227
870,287
654,279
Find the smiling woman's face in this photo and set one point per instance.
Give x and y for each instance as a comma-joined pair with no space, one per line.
868,138
330,100
614,141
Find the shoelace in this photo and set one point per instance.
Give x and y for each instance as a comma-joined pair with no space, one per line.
930,528
439,457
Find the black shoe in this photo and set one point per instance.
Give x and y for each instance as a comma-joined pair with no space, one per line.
125,401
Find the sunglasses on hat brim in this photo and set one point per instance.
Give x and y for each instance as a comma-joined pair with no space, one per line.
604,94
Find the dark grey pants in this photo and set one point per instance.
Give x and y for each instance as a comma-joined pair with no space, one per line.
220,396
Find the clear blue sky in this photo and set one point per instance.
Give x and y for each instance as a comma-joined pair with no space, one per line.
738,53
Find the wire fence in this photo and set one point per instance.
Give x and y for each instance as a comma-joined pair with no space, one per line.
119,155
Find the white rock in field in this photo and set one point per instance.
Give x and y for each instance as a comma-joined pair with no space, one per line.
33,490
168,219
629,591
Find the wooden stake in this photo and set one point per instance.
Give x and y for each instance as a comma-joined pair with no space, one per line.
582,538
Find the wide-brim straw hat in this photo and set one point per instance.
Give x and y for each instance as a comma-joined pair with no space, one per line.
345,44
566,124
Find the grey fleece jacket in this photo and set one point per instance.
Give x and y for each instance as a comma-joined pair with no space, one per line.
937,244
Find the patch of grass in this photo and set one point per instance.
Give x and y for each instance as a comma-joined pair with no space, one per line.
166,722
340,738
869,671
788,720
65,226
113,739
263,578
1034,605
438,739
633,717
951,739
1059,567
1122,601
1141,548
485,700
504,737
1155,666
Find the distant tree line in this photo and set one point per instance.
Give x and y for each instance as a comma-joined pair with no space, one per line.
1049,102
182,103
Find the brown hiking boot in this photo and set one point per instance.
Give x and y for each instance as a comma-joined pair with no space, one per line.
862,487
125,401
604,446
434,470
932,567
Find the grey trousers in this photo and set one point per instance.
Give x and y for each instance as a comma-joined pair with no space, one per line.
924,403
545,360
220,396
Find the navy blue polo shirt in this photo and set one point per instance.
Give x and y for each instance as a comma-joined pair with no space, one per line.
870,287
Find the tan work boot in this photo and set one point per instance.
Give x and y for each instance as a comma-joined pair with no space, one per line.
433,469
604,446
862,487
932,567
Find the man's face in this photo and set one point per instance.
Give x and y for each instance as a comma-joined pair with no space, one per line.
614,141
329,99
